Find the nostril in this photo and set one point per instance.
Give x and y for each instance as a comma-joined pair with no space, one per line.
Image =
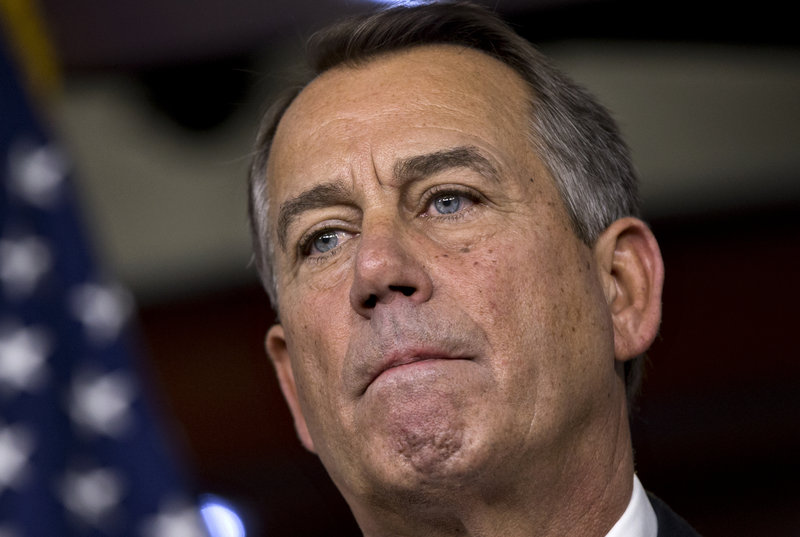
372,300
405,290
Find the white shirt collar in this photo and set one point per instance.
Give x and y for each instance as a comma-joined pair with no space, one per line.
639,519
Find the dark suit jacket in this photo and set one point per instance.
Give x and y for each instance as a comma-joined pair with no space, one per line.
670,524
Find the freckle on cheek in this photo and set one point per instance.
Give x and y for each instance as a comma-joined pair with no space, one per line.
465,250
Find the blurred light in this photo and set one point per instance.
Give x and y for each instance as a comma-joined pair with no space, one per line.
407,3
220,518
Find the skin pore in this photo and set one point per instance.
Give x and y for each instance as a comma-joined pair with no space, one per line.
448,346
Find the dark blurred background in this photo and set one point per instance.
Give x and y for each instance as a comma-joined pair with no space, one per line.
159,104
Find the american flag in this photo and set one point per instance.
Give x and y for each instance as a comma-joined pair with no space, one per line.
80,448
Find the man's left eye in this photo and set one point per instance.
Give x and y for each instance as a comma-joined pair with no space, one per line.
448,203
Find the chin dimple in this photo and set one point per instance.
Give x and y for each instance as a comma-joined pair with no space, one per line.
428,451
426,431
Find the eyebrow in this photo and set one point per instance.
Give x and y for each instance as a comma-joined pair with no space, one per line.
317,197
405,171
432,163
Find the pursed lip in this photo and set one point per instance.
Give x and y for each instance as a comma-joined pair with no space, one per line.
401,357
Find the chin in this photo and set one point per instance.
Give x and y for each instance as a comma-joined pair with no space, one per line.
430,452
425,435
426,431
427,464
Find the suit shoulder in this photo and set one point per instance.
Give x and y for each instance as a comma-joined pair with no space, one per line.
670,524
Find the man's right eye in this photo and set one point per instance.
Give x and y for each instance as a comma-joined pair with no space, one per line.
323,242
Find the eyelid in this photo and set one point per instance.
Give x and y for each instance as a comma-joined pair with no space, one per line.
467,192
306,240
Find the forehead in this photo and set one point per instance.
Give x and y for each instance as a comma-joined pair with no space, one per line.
395,105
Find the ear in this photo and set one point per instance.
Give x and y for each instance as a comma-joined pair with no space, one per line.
279,353
632,273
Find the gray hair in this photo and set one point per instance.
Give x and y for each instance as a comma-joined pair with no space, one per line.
576,137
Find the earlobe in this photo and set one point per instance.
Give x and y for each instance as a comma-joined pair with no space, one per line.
279,354
632,273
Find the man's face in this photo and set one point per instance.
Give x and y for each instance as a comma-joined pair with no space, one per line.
440,320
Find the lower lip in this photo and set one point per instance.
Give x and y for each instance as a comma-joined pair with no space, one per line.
415,370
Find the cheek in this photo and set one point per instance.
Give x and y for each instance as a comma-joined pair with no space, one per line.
316,342
481,278
314,285
537,299
497,280
312,303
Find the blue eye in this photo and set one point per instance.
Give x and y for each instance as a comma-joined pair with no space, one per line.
325,241
447,203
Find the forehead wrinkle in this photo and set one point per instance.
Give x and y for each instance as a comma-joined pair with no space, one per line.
432,163
316,197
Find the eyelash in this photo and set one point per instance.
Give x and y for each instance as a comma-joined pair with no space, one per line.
444,190
305,243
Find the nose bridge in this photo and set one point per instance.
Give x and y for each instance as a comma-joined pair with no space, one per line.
381,242
387,264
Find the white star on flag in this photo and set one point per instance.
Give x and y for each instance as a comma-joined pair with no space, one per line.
103,310
176,519
92,494
100,403
16,446
22,357
22,263
37,173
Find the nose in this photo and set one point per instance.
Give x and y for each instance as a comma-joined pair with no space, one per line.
387,268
